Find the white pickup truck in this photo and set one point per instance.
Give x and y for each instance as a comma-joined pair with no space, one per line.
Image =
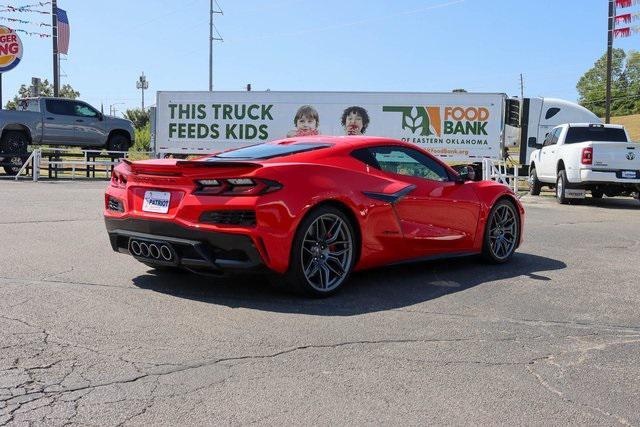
580,157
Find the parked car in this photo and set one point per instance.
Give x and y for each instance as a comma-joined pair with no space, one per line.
580,157
59,121
311,210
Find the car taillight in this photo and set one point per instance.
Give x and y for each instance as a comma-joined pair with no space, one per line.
587,156
118,180
236,186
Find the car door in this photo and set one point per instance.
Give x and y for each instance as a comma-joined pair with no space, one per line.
438,215
548,156
58,122
88,125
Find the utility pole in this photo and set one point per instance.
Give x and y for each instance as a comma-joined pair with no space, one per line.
212,39
56,61
521,87
607,106
142,84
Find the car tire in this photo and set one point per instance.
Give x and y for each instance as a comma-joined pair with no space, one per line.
14,142
501,232
323,253
118,142
534,184
561,187
597,194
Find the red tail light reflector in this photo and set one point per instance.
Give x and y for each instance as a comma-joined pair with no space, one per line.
587,156
236,187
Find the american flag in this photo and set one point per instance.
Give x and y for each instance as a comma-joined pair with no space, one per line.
63,31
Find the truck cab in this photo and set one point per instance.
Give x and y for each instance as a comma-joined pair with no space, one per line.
540,115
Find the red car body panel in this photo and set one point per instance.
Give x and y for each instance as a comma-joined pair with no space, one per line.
433,218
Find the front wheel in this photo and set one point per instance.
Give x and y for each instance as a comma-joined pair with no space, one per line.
323,253
534,184
15,143
502,232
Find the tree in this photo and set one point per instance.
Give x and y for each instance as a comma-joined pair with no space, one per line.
44,89
625,84
138,116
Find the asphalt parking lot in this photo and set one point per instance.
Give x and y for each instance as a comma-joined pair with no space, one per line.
88,336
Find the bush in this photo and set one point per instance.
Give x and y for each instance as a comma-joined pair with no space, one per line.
142,139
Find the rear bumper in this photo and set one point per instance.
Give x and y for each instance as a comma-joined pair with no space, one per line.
589,176
200,251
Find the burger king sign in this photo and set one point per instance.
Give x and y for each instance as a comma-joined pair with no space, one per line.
10,49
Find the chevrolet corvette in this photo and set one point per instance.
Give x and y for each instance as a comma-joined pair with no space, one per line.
311,210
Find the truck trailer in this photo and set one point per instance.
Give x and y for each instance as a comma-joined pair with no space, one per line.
459,127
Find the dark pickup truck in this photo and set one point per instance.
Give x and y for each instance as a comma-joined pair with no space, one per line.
59,121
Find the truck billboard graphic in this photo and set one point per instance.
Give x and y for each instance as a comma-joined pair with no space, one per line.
456,126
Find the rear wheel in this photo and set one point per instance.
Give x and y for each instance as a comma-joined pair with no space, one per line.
15,143
502,232
323,253
561,186
118,143
534,184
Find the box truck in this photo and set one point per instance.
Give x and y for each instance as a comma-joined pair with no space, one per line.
456,126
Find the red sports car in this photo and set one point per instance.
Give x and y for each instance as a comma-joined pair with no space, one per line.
312,209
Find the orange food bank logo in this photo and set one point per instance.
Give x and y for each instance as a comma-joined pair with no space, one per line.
10,49
428,120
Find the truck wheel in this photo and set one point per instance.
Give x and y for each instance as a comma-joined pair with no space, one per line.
597,194
14,142
534,185
561,186
118,143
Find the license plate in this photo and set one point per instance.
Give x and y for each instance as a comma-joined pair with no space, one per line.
571,193
629,174
156,201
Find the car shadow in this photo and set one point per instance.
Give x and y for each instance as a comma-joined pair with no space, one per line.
611,203
375,290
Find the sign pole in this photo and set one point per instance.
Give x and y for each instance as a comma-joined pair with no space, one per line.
607,115
0,91
56,63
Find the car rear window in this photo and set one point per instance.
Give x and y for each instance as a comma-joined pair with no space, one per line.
595,133
267,151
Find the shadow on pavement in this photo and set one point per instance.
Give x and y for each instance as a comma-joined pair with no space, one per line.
369,291
612,203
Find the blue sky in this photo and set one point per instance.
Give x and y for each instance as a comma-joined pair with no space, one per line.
360,45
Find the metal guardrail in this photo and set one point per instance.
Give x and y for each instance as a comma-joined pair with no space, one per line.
58,161
497,170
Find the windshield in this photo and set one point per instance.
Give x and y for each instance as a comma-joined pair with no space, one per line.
267,151
595,133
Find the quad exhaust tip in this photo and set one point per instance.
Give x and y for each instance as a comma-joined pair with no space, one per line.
158,251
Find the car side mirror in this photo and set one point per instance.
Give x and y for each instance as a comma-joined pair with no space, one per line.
533,142
100,116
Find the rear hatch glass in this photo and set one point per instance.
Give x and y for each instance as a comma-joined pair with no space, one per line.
266,151
594,133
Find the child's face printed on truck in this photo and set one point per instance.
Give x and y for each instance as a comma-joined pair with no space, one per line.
306,123
353,124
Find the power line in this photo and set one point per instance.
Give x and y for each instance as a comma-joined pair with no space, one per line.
604,99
